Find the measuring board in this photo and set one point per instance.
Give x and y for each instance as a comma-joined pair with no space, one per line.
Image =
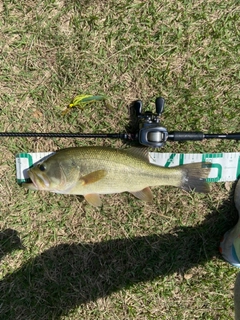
225,166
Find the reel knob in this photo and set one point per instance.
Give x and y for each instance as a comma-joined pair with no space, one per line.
159,103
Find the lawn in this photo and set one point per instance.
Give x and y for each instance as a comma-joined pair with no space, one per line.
64,259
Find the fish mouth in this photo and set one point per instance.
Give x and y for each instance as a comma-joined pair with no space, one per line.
39,182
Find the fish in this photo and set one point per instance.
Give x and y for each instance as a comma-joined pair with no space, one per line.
92,171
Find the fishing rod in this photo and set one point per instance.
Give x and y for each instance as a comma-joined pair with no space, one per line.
150,134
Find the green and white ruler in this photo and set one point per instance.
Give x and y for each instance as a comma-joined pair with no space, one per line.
225,166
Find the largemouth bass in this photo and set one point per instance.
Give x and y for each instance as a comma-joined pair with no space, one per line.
91,171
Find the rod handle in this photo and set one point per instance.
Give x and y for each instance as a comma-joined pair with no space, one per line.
185,135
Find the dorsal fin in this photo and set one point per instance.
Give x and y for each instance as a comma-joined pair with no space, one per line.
139,152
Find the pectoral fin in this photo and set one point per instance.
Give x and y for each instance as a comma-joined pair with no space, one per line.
144,194
93,199
93,177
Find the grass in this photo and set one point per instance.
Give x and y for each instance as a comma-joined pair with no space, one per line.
60,257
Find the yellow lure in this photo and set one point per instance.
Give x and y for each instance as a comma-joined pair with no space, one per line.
85,99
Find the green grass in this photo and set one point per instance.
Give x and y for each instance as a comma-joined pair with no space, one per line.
60,257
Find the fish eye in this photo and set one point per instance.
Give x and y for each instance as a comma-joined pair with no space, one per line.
42,167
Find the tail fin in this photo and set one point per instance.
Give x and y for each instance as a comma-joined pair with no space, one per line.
194,176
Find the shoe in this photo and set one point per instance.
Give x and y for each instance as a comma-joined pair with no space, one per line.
237,297
230,244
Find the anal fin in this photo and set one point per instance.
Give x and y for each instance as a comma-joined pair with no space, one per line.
93,199
144,194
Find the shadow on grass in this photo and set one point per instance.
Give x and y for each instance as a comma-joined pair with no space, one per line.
9,241
69,275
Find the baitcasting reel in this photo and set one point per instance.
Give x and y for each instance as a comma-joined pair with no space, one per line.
151,133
